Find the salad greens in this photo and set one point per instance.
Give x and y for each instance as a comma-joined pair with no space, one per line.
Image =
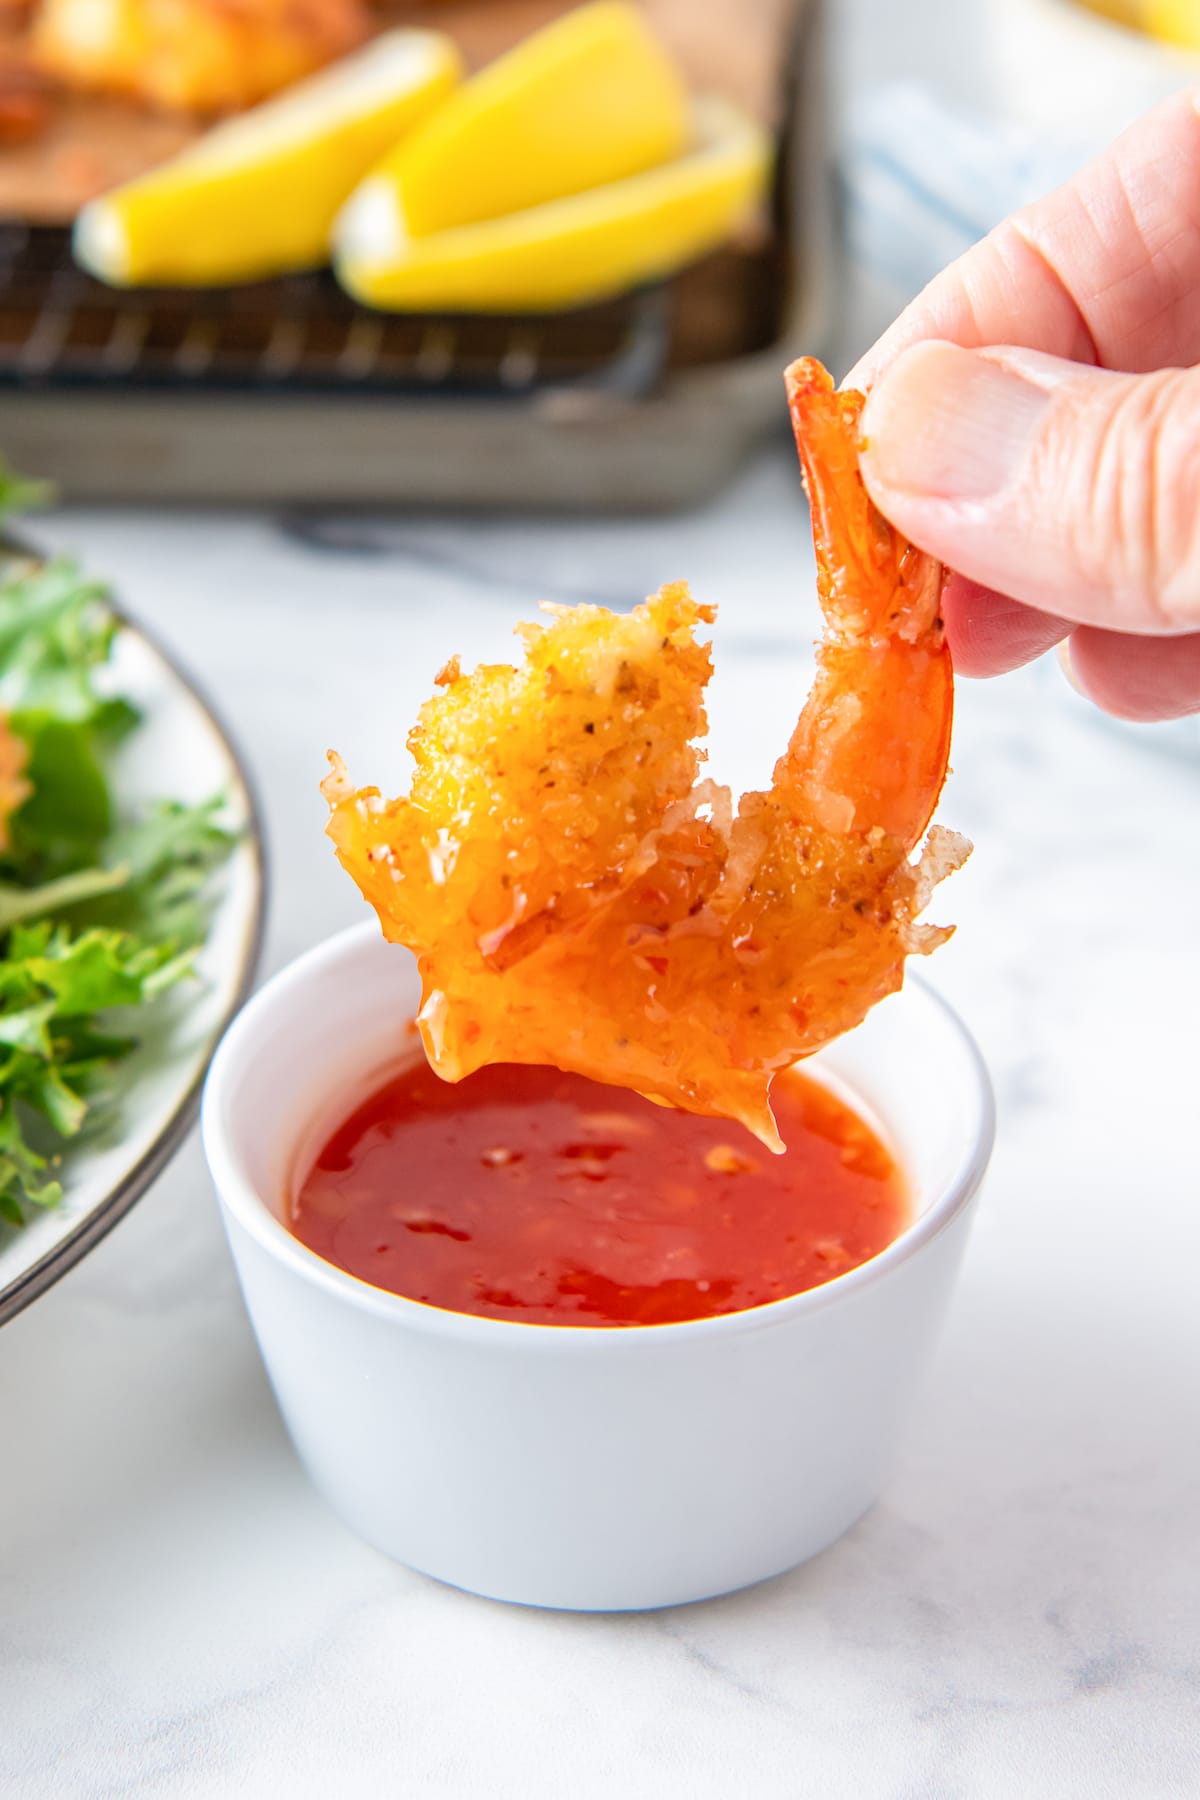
99,913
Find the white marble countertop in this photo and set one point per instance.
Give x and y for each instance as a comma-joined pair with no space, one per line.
181,1616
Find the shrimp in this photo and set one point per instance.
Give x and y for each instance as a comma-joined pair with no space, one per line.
14,789
577,895
193,56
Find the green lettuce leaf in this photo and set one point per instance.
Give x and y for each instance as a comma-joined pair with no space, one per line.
100,913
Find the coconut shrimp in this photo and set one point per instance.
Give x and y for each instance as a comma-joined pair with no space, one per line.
576,894
193,56
14,789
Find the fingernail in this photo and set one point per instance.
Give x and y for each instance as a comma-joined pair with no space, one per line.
949,424
1063,653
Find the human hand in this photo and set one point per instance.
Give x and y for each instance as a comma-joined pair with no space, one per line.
1033,420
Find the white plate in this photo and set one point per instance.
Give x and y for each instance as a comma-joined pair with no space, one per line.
179,752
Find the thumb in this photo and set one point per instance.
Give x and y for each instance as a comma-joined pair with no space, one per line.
1070,488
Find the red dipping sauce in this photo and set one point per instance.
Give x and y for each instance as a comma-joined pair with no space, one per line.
522,1193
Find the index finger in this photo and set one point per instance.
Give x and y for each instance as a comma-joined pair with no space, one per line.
1104,270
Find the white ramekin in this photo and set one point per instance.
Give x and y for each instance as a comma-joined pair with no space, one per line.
583,1467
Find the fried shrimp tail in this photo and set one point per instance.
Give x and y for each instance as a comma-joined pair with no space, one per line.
883,666
577,894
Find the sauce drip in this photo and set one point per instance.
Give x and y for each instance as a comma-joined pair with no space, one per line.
527,1194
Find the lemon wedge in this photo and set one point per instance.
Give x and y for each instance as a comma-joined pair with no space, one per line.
1125,12
582,248
257,196
1175,21
589,99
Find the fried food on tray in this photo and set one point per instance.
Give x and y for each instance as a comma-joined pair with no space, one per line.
14,789
576,896
24,95
202,56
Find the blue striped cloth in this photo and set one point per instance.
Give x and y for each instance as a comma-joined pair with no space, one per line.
921,182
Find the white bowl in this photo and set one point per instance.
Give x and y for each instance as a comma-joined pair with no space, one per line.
583,1467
